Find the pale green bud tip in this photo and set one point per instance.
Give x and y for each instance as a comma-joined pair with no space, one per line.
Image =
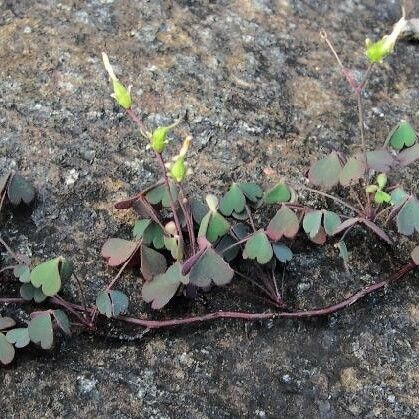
378,50
158,139
178,170
212,202
381,180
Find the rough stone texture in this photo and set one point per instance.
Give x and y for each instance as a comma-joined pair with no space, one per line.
262,97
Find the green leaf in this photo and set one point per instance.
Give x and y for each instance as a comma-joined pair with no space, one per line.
213,226
408,217
403,135
163,287
330,222
40,330
353,170
140,227
199,210
174,246
233,200
20,190
23,273
380,197
160,195
398,196
258,247
111,303
408,155
46,276
312,222
6,322
62,321
152,263
282,252
66,269
285,223
118,251
7,351
279,193
225,243
18,337
415,255
252,191
325,172
210,267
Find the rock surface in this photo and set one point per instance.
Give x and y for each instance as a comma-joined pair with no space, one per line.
262,97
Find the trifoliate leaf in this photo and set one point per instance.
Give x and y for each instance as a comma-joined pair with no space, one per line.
325,172
40,330
282,252
403,135
233,201
285,223
210,267
46,276
20,190
163,287
279,193
258,247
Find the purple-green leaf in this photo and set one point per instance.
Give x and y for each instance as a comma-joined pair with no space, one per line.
233,201
408,217
7,351
118,251
20,190
152,263
312,222
353,170
408,155
258,247
285,223
380,160
325,172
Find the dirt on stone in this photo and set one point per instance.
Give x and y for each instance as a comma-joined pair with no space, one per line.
262,97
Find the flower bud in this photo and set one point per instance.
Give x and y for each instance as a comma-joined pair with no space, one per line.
178,169
158,139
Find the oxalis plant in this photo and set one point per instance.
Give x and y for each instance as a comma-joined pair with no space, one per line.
186,245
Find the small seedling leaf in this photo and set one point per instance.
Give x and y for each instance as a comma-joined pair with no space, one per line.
382,197
312,222
62,321
152,263
23,273
233,201
163,287
380,160
282,252
46,276
403,135
325,172
7,351
252,191
18,337
279,193
118,251
408,217
258,247
211,267
20,190
40,330
6,323
330,222
353,170
285,223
